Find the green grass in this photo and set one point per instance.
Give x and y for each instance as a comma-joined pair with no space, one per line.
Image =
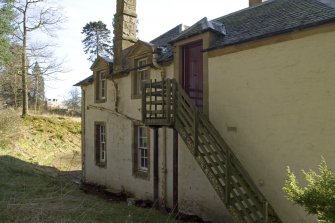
33,151
28,194
50,141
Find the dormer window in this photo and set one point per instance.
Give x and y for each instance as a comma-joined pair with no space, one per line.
101,84
142,75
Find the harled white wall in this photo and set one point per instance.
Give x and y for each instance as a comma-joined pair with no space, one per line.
281,99
196,196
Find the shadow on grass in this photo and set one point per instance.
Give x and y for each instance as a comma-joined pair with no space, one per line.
34,193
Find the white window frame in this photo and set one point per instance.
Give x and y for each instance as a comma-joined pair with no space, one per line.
142,148
102,144
102,85
142,75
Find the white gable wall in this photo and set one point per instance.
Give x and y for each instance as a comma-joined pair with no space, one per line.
280,97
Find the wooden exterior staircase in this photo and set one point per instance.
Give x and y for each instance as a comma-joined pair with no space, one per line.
165,103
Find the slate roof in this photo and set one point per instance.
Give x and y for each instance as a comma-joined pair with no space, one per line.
163,43
271,18
87,80
201,26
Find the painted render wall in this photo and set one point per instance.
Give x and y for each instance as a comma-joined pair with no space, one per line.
196,195
118,173
280,97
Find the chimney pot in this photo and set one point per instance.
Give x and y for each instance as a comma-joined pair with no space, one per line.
255,2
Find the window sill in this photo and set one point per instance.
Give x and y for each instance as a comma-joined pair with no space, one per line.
101,165
137,96
100,101
142,174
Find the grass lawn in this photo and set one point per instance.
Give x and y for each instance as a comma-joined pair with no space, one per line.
29,194
33,151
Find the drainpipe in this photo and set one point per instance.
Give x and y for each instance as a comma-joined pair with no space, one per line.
175,170
164,169
156,179
83,147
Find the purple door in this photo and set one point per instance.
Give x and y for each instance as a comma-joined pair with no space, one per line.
192,79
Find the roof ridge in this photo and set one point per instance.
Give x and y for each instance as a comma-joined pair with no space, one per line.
245,9
329,3
180,26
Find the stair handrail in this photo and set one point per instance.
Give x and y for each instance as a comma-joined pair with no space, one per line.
219,139
172,90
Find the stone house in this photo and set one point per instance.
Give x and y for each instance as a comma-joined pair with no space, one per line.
206,118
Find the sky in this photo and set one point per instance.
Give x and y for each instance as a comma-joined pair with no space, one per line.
155,17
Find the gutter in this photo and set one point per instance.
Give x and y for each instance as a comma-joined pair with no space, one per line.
272,34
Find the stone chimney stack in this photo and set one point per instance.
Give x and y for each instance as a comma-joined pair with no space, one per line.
124,29
255,2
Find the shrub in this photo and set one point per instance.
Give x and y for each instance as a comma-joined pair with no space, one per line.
318,197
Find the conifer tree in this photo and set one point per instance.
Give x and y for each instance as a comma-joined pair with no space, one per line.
37,87
98,41
6,29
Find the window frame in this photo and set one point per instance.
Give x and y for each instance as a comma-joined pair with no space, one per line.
141,75
101,86
100,144
140,170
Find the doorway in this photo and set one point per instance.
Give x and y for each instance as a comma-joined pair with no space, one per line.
192,72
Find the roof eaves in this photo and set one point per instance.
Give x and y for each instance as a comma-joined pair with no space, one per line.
87,80
267,35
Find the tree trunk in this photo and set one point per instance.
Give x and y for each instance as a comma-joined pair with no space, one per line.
24,66
36,91
24,83
15,90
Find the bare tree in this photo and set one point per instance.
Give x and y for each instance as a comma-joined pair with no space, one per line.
34,16
74,100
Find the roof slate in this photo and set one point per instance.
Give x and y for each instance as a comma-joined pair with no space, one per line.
273,17
270,18
162,42
201,26
87,80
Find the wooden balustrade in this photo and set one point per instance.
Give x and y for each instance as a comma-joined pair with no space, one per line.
165,103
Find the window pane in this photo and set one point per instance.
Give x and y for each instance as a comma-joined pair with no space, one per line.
102,84
142,148
140,131
100,136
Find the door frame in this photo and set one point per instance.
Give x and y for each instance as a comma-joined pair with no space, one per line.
178,61
183,73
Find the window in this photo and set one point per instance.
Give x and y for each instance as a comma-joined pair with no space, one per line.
101,86
100,143
142,146
142,75
141,151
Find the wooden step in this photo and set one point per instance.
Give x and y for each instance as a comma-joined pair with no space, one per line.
158,102
221,164
224,171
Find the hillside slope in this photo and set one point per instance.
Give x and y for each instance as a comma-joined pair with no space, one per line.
50,141
33,153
